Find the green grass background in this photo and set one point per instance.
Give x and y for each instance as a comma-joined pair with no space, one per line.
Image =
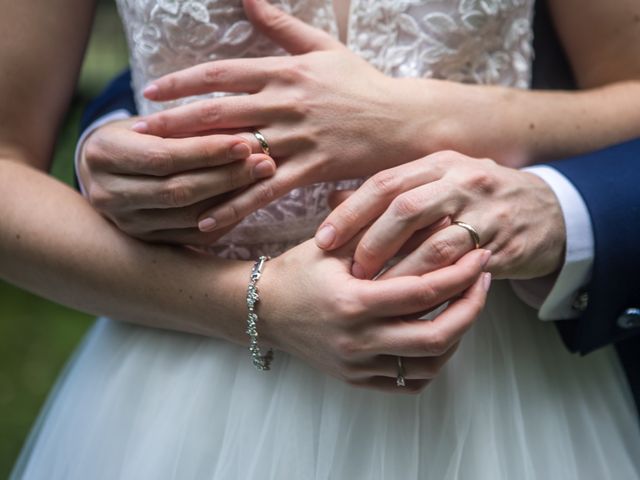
37,336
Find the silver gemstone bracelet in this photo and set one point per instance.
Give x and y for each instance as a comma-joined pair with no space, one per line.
261,362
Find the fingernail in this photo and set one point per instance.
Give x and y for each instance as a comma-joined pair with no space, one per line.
486,281
325,236
140,127
151,91
239,151
357,271
207,224
263,169
486,255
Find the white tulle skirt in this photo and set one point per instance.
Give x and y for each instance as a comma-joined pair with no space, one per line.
137,403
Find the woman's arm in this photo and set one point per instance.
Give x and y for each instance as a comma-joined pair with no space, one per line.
51,241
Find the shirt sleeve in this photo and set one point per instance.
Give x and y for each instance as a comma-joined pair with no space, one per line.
120,114
555,295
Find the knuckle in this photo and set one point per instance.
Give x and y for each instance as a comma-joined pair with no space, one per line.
429,295
94,152
480,181
176,192
212,74
435,343
513,250
405,207
291,71
170,84
265,193
159,160
100,198
296,105
502,214
159,122
384,184
347,348
446,157
209,113
348,306
440,252
346,214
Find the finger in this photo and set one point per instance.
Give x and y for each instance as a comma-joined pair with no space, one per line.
414,368
443,248
337,197
188,188
281,142
419,237
412,211
371,200
139,222
241,75
241,111
399,296
248,201
292,34
389,385
422,338
127,152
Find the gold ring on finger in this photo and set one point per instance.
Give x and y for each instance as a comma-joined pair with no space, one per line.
262,141
475,238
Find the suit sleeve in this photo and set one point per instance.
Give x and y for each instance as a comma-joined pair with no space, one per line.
118,95
609,182
115,102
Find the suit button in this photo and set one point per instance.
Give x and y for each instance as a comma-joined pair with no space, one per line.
630,318
581,302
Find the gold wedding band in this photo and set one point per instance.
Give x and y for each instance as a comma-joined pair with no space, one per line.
475,238
262,141
400,376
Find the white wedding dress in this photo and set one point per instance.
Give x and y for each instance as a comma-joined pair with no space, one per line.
138,403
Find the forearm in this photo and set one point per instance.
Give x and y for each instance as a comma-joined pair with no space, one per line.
54,244
519,127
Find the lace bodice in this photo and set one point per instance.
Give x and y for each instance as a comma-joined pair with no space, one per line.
473,41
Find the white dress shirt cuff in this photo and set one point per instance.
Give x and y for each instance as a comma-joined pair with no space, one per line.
554,295
120,114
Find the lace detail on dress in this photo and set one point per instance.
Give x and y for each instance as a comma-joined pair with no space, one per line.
474,41
471,41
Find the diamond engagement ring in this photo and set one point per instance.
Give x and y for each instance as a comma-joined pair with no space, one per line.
400,377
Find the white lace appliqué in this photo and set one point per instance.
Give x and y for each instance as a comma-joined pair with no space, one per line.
473,41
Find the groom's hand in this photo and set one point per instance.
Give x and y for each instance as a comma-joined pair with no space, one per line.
156,188
411,208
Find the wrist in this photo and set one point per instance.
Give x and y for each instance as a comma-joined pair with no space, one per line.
481,121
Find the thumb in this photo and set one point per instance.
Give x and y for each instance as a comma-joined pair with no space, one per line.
295,36
337,197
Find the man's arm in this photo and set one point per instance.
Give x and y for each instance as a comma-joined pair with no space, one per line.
608,181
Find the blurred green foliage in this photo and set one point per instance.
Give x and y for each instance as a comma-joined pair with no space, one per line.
37,336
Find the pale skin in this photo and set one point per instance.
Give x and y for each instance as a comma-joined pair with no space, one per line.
298,101
54,244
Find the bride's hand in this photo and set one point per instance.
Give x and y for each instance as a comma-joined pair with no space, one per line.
313,308
515,213
156,188
326,113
